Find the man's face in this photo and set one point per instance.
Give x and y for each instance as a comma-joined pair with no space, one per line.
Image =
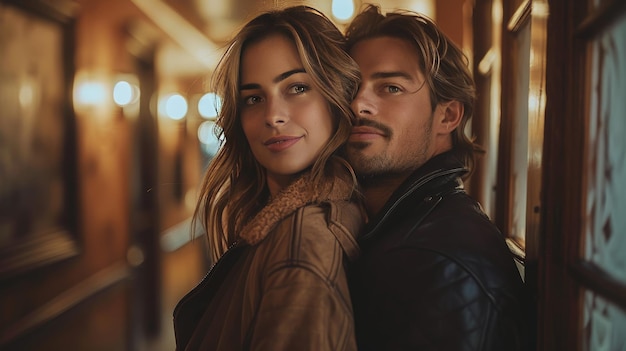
394,130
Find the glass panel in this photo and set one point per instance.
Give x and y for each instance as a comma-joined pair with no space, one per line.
603,325
491,67
520,137
605,205
605,227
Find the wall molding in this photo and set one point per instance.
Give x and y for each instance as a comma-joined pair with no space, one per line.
67,300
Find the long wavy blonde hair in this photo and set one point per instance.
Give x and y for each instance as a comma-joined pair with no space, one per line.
234,188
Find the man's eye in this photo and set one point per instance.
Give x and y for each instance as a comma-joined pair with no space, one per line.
393,89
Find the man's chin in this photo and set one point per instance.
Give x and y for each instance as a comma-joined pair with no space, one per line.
363,166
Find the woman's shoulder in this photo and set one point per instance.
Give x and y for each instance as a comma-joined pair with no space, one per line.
335,216
320,230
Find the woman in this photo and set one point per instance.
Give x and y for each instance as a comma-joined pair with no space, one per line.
278,200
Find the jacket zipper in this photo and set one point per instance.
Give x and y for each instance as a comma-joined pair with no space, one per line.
207,277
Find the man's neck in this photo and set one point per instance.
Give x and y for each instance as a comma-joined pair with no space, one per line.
377,192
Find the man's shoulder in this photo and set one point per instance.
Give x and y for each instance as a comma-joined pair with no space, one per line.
456,230
454,217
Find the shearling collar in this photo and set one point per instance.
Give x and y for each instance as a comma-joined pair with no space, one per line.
296,195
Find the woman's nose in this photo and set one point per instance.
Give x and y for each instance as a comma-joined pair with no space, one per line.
276,113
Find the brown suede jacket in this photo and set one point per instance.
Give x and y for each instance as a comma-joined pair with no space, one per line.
283,286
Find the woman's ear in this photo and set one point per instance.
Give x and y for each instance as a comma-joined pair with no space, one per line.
450,116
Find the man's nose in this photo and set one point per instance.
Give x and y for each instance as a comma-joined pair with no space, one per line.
362,105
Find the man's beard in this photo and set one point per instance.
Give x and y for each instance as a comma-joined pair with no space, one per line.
382,167
372,166
375,170
366,166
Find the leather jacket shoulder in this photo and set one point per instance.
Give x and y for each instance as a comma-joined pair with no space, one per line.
435,273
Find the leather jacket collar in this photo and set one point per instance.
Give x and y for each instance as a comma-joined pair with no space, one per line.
441,174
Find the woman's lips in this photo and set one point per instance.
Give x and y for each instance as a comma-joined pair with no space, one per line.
280,143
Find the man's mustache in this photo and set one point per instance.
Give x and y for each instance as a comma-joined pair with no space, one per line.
370,123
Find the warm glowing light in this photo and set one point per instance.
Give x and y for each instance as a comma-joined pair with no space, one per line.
209,105
206,132
533,101
27,94
174,106
90,93
208,138
124,93
343,9
426,7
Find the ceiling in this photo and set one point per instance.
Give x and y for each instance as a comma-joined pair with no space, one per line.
202,27
220,18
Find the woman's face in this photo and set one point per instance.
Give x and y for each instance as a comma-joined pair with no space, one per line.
285,118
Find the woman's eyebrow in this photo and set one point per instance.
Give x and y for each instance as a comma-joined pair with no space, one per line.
286,75
280,77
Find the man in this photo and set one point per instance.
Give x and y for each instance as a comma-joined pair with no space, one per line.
435,273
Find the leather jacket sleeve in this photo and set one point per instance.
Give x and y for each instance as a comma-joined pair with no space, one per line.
452,312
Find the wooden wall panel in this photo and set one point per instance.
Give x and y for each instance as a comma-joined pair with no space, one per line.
82,303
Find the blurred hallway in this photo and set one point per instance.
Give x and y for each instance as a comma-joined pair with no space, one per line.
106,121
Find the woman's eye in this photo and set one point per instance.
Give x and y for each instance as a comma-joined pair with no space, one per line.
252,100
298,89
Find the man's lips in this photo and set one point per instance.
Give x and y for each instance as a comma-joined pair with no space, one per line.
366,130
280,143
360,133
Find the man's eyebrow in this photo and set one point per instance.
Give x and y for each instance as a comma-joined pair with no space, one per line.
279,78
393,74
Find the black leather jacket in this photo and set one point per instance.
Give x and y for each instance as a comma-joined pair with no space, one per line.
435,273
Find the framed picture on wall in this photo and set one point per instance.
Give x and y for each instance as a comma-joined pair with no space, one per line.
38,187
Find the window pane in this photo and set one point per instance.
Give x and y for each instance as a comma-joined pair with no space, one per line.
603,325
605,225
519,144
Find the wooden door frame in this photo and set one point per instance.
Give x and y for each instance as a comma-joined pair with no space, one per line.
563,273
558,304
